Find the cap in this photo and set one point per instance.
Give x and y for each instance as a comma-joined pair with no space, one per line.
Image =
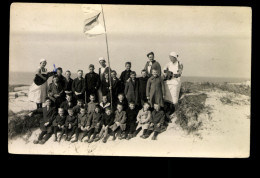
101,59
174,54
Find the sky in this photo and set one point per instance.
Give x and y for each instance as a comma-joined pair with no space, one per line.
211,41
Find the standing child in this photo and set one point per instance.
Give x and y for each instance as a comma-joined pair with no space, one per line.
70,125
131,114
116,85
106,122
132,89
125,75
142,86
104,103
78,86
143,119
49,114
55,92
119,122
59,122
156,122
155,89
80,104
82,124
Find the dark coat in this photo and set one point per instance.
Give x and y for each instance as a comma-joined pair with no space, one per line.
78,85
131,116
116,88
94,120
92,82
156,117
132,91
155,90
105,88
73,120
107,119
102,77
155,66
68,84
142,87
82,119
65,105
59,120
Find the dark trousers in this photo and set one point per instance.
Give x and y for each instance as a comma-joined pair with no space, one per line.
56,128
47,135
149,132
130,128
39,105
90,132
66,130
82,96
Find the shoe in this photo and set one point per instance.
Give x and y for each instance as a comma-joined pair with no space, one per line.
142,136
114,138
145,136
36,141
104,140
73,141
86,140
42,142
90,140
97,139
66,138
69,138
154,138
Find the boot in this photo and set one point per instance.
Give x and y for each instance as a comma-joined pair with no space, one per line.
105,139
36,141
155,136
73,141
90,140
123,135
55,139
42,141
114,136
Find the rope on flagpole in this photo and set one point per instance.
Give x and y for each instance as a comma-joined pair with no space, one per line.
107,56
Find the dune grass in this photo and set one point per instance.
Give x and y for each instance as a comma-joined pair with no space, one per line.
12,87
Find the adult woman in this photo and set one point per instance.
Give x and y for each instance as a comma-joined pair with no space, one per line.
172,73
38,93
152,64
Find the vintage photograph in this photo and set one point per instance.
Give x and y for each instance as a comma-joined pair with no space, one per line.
129,80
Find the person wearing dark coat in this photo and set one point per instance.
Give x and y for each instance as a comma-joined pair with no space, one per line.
131,114
152,64
116,85
67,104
132,89
105,87
61,78
68,82
59,122
156,122
92,82
82,124
121,100
49,114
55,92
78,86
125,75
142,87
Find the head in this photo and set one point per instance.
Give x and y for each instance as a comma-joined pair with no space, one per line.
106,75
102,62
70,111
82,111
143,73
68,74
61,111
80,102
80,73
173,57
128,65
92,97
121,97
155,73
131,105
69,97
48,101
113,74
91,68
146,106
119,107
97,109
108,111
59,71
132,75
55,79
156,107
150,56
104,98
43,63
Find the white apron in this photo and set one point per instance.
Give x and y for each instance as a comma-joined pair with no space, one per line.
37,93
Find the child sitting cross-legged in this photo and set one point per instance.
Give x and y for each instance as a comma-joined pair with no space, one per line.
59,122
82,123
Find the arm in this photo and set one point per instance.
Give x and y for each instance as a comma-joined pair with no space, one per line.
163,87
148,116
123,120
84,87
148,87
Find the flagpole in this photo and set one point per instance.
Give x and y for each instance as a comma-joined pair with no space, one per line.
107,55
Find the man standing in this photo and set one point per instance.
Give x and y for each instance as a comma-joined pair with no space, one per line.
92,82
152,64
78,86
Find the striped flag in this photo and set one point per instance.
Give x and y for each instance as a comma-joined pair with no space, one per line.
92,26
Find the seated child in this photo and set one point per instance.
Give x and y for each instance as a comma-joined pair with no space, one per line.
49,114
91,105
59,122
82,123
80,104
143,119
104,104
71,124
156,121
119,122
131,114
68,103
121,100
94,123
106,122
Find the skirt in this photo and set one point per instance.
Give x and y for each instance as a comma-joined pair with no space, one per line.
172,90
37,93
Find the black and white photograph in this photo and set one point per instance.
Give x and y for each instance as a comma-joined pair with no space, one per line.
129,80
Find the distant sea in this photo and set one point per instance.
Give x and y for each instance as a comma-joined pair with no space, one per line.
27,78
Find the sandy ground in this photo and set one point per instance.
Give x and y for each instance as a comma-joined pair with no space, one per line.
226,133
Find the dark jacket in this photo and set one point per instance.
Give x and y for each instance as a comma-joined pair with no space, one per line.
92,82
157,117
68,84
107,119
94,119
59,120
65,105
142,87
132,91
73,120
82,119
105,87
131,115
62,80
116,88
102,77
155,65
78,85
125,75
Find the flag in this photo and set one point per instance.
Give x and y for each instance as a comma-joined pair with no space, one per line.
92,26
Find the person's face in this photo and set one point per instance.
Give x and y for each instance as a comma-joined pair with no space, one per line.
69,98
132,76
120,97
108,112
155,73
102,63
172,59
68,74
146,107
131,106
119,108
55,80
106,76
59,72
70,112
156,107
143,74
92,98
151,57
128,66
82,111
61,112
91,69
97,110
48,102
80,74
113,75
43,64
104,99
80,104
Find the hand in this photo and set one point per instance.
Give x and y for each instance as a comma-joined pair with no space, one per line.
69,126
30,114
158,125
109,88
47,123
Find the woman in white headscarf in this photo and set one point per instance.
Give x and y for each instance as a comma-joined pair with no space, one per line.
172,73
38,93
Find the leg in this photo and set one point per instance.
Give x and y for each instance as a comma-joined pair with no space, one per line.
155,135
84,134
137,131
72,132
62,132
89,135
148,133
55,128
77,134
40,137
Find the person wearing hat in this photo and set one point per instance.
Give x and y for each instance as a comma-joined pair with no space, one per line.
152,64
172,73
92,82
38,93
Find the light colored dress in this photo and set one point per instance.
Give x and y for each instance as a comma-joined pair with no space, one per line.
144,117
173,86
37,93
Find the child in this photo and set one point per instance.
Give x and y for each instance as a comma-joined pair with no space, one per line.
94,123
91,105
125,75
68,82
119,122
59,122
143,119
142,86
131,114
121,100
155,89
157,119
105,87
70,124
61,78
82,123
78,86
55,91
132,89
49,114
68,103
106,122
80,104
116,85
104,104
